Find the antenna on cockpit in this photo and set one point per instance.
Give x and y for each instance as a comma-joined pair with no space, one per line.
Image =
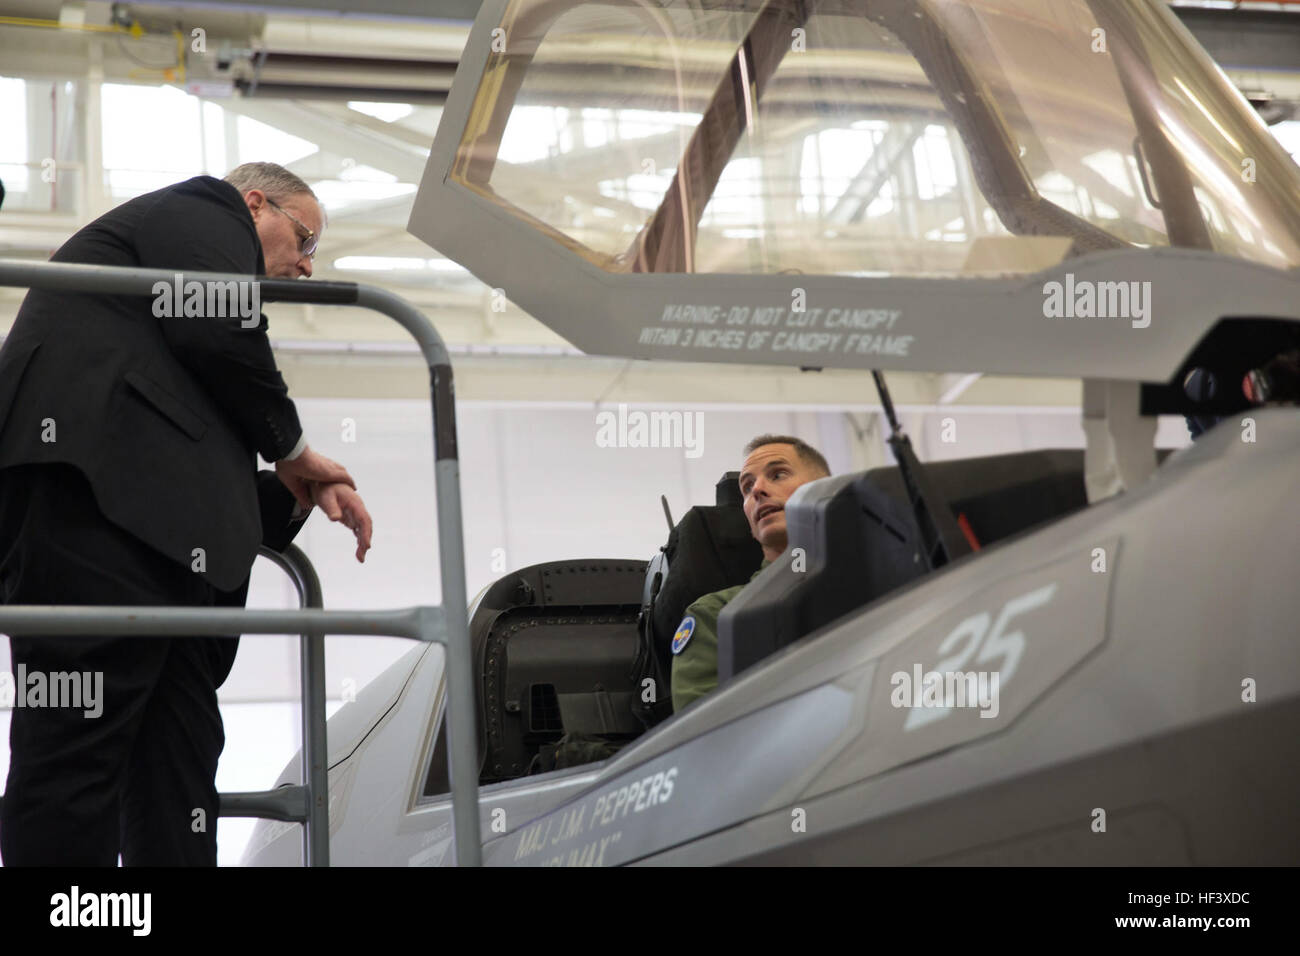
940,535
663,500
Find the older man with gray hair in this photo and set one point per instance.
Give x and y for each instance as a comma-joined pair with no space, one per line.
128,444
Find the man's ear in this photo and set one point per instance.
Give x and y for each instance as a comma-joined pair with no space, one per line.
255,199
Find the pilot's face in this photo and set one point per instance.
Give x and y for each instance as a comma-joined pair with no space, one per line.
769,477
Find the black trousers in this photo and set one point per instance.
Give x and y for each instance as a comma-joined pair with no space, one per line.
139,779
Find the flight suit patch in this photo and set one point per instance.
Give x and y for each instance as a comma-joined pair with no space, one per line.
684,632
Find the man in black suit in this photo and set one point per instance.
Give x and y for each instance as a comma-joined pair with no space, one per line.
128,441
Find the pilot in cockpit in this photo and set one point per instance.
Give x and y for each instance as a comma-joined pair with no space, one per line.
774,467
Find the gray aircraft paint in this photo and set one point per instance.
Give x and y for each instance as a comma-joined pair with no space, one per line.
1129,700
1127,664
750,775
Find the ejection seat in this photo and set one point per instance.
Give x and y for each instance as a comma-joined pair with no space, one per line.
998,496
859,542
709,549
553,648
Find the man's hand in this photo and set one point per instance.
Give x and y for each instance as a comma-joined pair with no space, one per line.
308,467
342,503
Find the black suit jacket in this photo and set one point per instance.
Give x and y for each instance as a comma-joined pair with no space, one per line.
163,415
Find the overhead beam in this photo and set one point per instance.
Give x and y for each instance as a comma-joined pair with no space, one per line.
330,133
456,11
1246,39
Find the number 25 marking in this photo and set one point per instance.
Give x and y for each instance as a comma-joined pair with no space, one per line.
996,646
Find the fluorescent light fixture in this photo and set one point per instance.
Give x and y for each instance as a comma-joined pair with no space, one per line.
445,265
388,112
396,264
379,263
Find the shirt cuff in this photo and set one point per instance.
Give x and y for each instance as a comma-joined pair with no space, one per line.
299,512
298,449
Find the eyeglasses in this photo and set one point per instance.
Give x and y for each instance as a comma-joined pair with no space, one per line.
306,244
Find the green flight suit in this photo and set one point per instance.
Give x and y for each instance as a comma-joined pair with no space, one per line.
695,646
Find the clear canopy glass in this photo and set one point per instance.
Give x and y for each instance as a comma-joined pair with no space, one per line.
935,138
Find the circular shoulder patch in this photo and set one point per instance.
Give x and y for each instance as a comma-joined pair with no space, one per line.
684,632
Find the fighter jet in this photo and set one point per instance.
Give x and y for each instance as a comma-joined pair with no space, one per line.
1042,658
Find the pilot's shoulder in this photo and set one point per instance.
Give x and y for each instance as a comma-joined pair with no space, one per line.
711,605
702,617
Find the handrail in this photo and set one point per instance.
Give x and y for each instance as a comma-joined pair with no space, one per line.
446,624
306,803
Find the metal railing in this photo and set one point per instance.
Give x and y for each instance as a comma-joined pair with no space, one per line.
306,803
446,624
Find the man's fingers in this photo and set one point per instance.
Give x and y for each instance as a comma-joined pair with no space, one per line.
356,522
361,525
299,489
337,474
328,472
316,467
345,506
325,500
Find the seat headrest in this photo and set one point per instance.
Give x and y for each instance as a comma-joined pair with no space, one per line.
727,490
